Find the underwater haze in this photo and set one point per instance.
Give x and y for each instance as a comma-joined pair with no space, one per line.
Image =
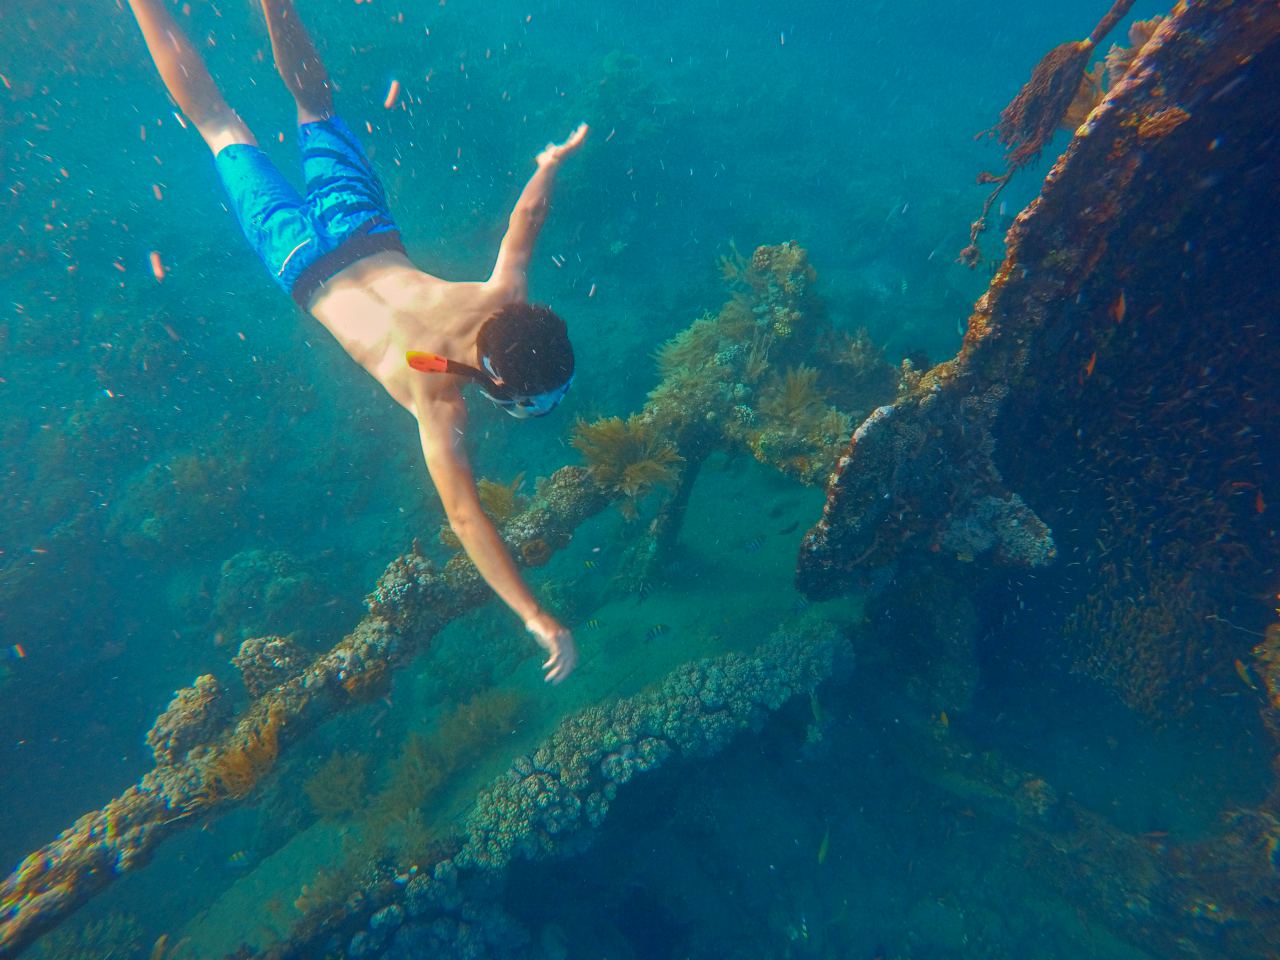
188,462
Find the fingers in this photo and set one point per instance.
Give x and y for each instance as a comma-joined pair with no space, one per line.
577,136
564,657
558,151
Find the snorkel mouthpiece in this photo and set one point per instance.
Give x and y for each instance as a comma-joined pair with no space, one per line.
427,362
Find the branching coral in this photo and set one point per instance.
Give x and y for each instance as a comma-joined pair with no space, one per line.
771,290
326,891
737,318
408,607
626,456
855,375
1060,93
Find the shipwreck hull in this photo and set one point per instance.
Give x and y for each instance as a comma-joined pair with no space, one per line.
1135,306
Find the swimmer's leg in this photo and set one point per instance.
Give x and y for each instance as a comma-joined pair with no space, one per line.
297,62
187,78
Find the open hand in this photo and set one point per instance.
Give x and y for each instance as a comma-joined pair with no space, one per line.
553,153
558,642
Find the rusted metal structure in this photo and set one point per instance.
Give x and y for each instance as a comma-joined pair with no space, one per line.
1113,416
1142,263
206,761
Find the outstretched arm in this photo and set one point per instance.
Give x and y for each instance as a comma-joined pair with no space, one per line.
531,212
440,426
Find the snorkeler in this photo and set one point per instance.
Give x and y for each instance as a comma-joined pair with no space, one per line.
339,254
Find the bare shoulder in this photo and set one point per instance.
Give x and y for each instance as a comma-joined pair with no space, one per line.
506,286
437,404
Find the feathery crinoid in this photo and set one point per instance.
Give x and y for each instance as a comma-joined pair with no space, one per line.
233,770
501,501
793,397
628,457
694,346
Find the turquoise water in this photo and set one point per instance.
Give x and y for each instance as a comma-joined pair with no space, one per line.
190,462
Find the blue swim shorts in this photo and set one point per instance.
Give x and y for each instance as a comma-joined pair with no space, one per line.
303,241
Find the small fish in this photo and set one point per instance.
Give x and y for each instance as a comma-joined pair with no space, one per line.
752,545
1243,672
944,720
657,630
1117,309
238,859
593,624
393,94
643,590
789,528
824,847
800,605
19,652
589,564
1092,362
1259,505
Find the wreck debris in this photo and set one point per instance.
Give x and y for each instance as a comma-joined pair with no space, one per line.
194,777
268,662
194,716
1059,88
552,800
1053,324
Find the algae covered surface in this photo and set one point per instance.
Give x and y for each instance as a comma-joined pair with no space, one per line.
253,702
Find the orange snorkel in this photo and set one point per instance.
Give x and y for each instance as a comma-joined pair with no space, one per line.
490,384
427,362
434,363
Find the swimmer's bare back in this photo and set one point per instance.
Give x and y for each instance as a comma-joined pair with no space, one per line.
381,307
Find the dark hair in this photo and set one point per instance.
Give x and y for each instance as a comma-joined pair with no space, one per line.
528,347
